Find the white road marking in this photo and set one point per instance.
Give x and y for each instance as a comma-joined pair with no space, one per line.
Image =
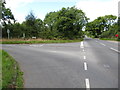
83,50
85,66
96,41
115,50
10,45
53,51
82,45
41,45
36,45
102,44
33,45
87,82
84,57
106,66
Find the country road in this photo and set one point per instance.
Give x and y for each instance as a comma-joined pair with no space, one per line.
91,63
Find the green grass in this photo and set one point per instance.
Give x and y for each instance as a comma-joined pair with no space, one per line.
12,77
35,42
112,39
0,69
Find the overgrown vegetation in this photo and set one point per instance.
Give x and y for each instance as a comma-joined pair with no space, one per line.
11,74
113,30
103,27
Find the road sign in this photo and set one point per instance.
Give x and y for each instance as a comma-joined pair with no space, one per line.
8,31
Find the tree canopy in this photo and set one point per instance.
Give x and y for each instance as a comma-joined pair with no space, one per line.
66,22
100,25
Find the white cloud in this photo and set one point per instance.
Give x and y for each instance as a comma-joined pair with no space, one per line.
96,8
14,4
92,8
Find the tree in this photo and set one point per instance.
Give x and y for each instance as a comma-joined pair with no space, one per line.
49,23
66,23
33,25
7,19
100,25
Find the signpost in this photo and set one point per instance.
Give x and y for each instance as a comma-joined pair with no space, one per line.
23,35
8,31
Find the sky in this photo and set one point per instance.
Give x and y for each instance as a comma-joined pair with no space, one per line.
92,8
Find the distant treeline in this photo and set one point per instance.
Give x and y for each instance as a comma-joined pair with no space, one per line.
104,27
67,23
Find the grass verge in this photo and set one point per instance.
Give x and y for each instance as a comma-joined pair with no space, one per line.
37,41
12,77
112,39
0,69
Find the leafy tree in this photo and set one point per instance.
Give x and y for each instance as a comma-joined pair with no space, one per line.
66,23
100,25
7,19
49,23
33,26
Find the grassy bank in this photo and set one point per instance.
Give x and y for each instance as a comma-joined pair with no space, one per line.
11,74
0,69
12,41
112,39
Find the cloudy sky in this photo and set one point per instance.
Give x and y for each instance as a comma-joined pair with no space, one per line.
92,8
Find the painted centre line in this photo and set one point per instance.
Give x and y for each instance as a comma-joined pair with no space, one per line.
82,45
84,57
83,50
85,66
87,82
53,51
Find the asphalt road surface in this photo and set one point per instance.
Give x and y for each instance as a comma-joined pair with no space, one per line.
89,64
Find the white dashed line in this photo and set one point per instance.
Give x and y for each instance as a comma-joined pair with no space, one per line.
53,51
106,66
83,50
84,57
87,82
36,45
82,45
115,50
85,66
